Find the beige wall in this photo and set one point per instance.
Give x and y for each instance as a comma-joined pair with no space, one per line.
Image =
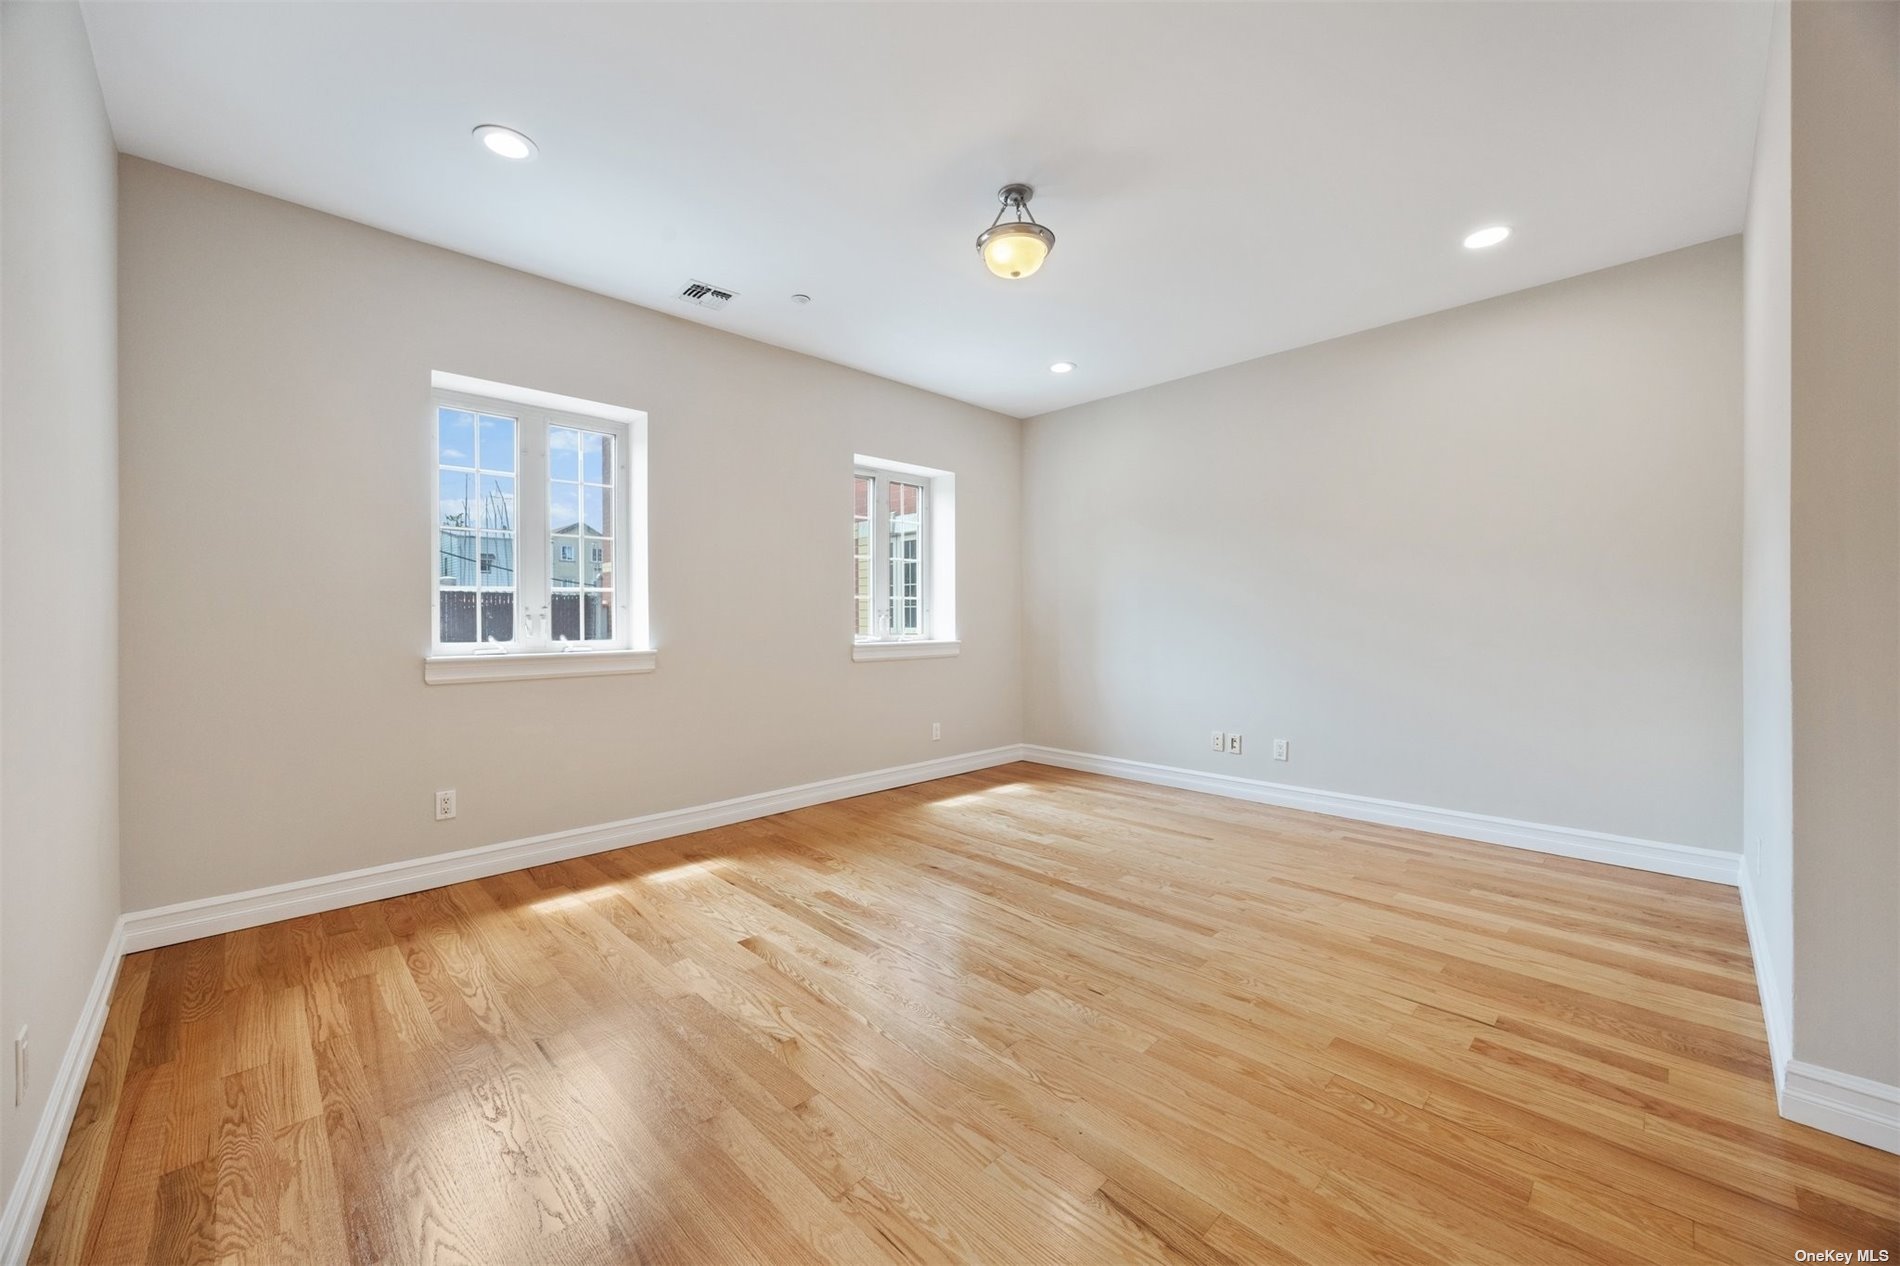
59,860
1846,536
1767,698
1485,560
276,476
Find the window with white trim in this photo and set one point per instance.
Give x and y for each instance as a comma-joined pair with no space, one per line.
903,543
538,529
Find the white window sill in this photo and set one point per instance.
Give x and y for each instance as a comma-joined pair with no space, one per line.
916,649
447,670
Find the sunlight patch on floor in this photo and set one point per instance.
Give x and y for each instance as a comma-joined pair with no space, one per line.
977,797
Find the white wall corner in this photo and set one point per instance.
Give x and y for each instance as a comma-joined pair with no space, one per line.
20,1220
1777,1021
1808,1094
1841,1103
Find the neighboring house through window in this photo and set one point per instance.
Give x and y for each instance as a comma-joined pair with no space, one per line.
539,529
903,543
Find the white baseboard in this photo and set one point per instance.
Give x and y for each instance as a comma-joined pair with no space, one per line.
1564,841
34,1183
1841,1103
189,920
1810,1094
1779,1023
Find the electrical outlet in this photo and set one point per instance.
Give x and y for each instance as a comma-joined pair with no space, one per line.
1233,742
936,730
1220,740
1280,749
445,805
19,1068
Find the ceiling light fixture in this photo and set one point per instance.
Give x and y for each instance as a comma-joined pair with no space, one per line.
1062,367
1015,248
1486,237
505,141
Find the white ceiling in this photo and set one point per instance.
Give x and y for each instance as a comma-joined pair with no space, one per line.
1224,180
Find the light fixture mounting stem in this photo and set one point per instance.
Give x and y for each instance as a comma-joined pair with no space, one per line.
1015,197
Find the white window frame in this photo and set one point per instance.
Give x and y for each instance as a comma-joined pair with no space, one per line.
937,549
534,653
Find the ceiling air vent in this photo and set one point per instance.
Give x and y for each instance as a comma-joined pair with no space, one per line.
706,296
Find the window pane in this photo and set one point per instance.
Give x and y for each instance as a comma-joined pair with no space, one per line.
495,574
498,616
564,562
861,551
454,437
598,458
455,498
905,524
475,510
597,564
564,507
599,612
457,556
495,560
498,503
496,443
564,617
564,454
457,564
597,515
580,534
458,616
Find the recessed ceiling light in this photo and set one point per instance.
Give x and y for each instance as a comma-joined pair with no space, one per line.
505,141
1487,237
1062,367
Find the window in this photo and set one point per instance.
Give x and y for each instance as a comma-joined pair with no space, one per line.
903,552
539,535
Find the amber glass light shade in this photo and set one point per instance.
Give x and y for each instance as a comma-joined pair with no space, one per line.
1015,250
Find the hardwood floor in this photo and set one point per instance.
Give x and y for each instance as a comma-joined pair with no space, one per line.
1017,1016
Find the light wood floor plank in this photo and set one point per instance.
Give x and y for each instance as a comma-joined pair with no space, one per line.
1022,1015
